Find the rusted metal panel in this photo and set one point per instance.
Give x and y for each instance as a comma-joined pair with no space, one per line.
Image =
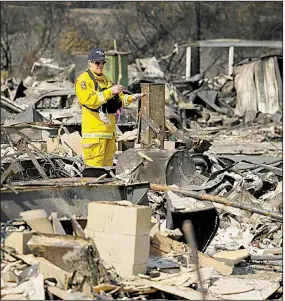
246,90
258,86
68,199
259,75
279,80
272,91
152,106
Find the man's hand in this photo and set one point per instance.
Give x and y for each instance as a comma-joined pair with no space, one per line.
138,96
117,89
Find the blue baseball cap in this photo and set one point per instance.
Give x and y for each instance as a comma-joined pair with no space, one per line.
97,55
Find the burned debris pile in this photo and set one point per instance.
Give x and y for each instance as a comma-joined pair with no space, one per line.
191,209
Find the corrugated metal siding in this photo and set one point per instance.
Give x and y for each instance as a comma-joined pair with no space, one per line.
259,86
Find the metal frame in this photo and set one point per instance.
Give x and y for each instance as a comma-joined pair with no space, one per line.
69,198
226,43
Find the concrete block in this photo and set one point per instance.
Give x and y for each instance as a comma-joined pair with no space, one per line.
125,249
170,145
114,218
18,241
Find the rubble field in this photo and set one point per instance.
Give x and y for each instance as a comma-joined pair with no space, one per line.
196,213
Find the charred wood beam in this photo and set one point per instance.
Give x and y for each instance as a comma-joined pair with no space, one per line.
218,199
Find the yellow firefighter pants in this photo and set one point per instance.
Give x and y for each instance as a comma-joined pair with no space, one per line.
99,151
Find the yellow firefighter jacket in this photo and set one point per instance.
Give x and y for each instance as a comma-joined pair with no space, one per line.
89,96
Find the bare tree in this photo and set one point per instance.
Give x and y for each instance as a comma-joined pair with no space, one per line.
5,42
35,28
29,29
158,27
5,48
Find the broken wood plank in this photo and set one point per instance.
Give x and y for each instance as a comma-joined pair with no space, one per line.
207,261
66,251
140,290
77,229
38,220
104,287
231,258
161,245
56,224
187,293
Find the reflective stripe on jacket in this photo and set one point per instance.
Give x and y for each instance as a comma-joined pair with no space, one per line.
97,135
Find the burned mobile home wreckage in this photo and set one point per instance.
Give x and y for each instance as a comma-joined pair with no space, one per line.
191,209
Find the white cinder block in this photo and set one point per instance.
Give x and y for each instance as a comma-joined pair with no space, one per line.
110,217
123,249
121,235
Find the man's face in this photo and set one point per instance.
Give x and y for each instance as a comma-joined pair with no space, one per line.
97,67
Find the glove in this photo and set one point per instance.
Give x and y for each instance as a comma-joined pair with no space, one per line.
137,96
117,89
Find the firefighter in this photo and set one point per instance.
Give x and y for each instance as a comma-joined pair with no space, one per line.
100,100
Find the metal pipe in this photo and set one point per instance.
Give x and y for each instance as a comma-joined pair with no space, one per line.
266,257
11,106
218,199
